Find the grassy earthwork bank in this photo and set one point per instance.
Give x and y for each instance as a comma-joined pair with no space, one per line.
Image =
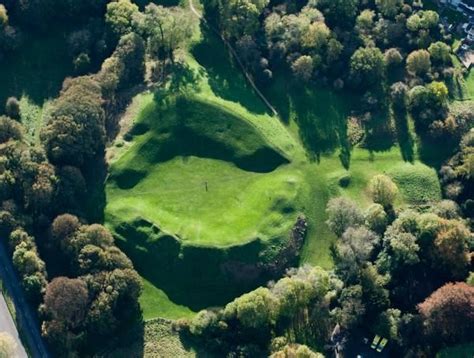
206,177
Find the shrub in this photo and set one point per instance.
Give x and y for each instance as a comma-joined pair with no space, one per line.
303,68
203,322
82,63
447,209
342,214
345,181
393,57
12,108
9,130
383,190
376,218
419,62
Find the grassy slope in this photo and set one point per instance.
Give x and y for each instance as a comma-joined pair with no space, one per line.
155,303
315,125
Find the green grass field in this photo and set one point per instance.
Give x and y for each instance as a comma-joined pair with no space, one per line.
206,177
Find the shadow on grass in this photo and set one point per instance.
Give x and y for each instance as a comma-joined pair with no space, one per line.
379,132
225,78
320,113
434,153
37,69
196,277
183,77
404,137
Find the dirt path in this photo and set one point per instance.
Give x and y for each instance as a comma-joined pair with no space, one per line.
236,57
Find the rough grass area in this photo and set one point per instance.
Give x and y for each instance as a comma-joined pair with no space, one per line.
418,183
157,340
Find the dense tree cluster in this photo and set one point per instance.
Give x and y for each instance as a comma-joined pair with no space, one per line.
29,265
164,29
75,132
457,175
297,307
387,261
393,260
40,13
363,45
32,192
94,289
103,296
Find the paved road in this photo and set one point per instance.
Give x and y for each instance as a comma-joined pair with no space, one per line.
26,319
7,325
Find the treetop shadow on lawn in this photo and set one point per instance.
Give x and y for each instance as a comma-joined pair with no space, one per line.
190,276
433,153
404,137
183,77
320,113
212,54
37,69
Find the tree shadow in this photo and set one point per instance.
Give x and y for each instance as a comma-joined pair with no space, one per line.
183,77
434,153
320,113
321,119
130,343
404,137
279,94
37,69
192,276
225,77
143,3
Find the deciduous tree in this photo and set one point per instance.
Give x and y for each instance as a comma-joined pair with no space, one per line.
448,314
383,190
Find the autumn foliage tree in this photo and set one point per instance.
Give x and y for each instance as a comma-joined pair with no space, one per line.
448,314
75,131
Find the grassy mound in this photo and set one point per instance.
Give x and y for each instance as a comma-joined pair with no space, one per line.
190,127
418,183
193,160
200,200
